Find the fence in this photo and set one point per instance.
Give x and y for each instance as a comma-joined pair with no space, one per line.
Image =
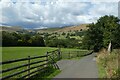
33,65
37,64
75,54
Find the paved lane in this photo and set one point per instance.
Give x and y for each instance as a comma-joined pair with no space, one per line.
86,67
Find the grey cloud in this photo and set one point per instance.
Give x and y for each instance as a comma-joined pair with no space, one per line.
53,14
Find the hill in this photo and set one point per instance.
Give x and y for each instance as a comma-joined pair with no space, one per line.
64,29
50,30
74,28
10,29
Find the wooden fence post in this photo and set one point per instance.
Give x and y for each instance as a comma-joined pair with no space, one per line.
69,55
47,61
47,56
59,54
28,66
77,53
53,54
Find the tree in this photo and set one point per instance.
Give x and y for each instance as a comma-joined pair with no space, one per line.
8,39
116,37
108,24
102,33
21,39
93,37
63,33
37,41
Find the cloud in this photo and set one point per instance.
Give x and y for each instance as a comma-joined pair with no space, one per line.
54,13
119,10
104,8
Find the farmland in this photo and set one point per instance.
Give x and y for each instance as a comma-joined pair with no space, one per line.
21,52
9,53
50,37
72,43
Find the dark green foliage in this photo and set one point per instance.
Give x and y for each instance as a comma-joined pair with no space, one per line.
8,39
79,33
103,32
56,43
65,43
37,41
63,33
20,39
72,34
116,38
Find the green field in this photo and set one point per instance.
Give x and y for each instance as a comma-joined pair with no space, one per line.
11,53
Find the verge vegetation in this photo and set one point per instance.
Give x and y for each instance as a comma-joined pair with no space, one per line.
108,64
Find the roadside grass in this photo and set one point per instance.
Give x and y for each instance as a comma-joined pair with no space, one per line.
53,74
49,74
101,70
108,64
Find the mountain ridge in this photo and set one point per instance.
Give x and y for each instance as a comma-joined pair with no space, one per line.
55,29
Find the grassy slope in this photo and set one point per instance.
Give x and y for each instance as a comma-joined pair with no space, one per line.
64,29
73,28
48,30
10,29
55,29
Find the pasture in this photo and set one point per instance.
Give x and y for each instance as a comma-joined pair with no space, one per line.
9,53
12,53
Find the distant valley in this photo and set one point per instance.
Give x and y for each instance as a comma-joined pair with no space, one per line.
49,30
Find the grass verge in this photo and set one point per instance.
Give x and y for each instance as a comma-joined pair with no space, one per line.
49,74
108,64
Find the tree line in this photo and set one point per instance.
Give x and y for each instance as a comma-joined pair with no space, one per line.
38,39
100,34
21,39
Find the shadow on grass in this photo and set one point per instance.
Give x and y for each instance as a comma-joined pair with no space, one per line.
48,74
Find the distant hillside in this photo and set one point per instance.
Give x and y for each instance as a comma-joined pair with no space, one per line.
64,29
10,29
50,30
74,28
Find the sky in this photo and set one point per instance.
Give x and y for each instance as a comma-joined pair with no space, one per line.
38,14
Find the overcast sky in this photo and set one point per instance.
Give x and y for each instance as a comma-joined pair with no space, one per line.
54,13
